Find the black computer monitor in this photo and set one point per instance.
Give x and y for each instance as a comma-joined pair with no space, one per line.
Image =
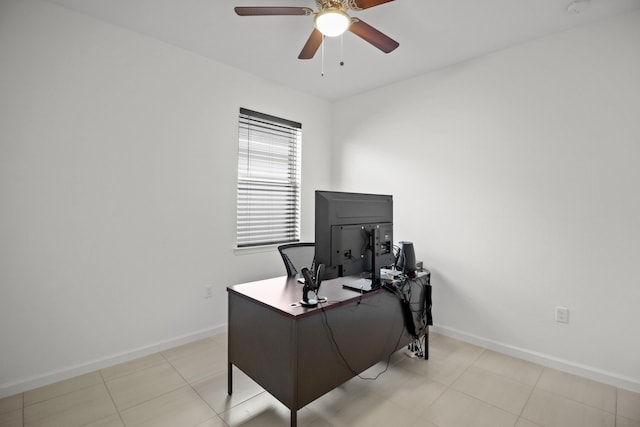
354,233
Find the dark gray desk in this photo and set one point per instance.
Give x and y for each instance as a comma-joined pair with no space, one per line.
288,349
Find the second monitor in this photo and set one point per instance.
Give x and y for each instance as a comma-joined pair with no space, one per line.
353,233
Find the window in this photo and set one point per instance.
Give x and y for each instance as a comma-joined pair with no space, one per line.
268,180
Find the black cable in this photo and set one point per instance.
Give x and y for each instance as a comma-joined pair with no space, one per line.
335,343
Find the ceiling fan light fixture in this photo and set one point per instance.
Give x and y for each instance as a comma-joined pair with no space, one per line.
332,22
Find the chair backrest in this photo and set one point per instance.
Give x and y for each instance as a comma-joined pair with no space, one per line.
296,256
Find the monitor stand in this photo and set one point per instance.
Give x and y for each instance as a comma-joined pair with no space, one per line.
375,270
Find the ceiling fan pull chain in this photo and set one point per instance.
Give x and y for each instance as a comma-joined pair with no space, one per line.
322,53
342,50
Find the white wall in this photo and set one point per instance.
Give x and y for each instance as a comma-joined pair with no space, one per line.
516,176
117,191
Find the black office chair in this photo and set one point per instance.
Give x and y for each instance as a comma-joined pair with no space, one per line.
296,256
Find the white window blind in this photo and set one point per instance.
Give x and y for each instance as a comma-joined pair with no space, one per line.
268,180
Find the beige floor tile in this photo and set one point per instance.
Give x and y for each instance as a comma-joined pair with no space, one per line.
383,414
375,378
392,377
349,394
76,408
318,422
190,349
443,346
412,392
377,371
213,422
133,366
455,409
510,367
201,364
400,355
264,410
583,390
357,384
111,421
182,407
625,422
628,404
444,371
144,385
11,418
62,387
339,398
362,409
420,422
221,339
552,410
526,423
461,385
214,390
503,392
370,411
11,403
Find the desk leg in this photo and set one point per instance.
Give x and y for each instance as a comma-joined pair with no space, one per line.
229,378
426,347
294,418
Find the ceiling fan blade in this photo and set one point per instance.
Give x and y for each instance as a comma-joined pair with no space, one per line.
373,36
365,4
262,11
312,45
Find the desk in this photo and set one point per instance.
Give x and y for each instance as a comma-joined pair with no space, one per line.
289,350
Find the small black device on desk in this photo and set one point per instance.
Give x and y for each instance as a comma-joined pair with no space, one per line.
361,285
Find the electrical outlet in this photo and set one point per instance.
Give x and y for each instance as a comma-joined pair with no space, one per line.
208,291
562,315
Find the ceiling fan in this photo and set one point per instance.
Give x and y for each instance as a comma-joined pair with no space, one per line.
331,20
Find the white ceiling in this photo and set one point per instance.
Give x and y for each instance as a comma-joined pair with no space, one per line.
432,34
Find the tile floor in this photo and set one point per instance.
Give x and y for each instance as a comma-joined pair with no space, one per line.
460,386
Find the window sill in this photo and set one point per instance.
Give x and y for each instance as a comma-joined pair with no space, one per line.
254,249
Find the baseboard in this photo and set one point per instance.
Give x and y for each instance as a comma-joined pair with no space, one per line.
94,365
627,383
